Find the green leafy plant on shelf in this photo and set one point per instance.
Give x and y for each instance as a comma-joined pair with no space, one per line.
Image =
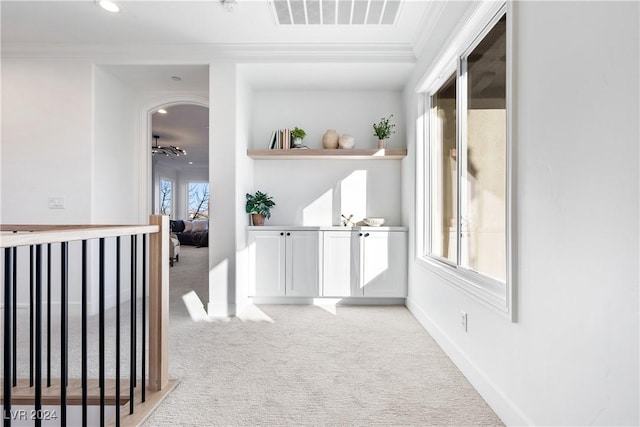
298,133
384,128
259,206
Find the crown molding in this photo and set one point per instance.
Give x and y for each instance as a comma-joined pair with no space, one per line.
400,53
428,23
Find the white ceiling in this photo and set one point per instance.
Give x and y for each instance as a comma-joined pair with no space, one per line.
189,22
311,57
185,126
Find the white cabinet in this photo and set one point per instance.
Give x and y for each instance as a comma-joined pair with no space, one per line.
365,263
340,263
284,263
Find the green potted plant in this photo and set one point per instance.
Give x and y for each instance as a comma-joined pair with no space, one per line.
259,206
298,135
383,130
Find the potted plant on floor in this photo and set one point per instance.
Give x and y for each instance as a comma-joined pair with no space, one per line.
383,131
259,206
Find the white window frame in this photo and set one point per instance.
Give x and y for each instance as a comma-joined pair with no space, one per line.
196,181
173,196
494,294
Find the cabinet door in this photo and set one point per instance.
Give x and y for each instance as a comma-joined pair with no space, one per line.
302,263
384,264
267,263
341,265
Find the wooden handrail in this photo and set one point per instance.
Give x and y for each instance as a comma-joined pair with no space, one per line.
159,304
25,235
158,294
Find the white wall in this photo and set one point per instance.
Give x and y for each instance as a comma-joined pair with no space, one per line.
223,176
46,140
244,185
351,112
317,192
572,356
115,193
69,129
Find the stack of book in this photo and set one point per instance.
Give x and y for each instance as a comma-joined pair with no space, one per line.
281,140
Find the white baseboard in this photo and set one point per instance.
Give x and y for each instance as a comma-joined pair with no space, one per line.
221,309
74,308
508,412
321,300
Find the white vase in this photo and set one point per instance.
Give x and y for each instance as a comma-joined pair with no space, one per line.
347,141
330,139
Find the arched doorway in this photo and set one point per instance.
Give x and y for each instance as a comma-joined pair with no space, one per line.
177,185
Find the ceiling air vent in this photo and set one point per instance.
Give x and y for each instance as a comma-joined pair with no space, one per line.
336,12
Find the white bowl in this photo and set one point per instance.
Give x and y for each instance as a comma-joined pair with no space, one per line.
374,222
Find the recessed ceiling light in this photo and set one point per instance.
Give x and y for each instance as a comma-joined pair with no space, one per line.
162,111
109,6
176,78
229,5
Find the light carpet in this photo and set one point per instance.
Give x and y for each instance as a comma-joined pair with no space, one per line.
307,365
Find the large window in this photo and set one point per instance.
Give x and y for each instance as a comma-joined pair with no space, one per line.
198,202
444,199
166,197
466,167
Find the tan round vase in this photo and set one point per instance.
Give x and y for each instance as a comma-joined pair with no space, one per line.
330,139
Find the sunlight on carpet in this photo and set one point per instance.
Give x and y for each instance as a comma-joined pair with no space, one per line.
251,313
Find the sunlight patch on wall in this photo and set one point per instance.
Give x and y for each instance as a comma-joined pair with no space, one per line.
353,195
320,211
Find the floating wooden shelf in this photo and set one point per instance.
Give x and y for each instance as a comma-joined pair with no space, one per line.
315,154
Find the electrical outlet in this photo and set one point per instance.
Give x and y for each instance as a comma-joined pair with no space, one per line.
56,202
463,320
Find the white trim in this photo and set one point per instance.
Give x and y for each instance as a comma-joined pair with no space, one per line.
221,310
193,54
328,300
496,398
172,212
188,201
145,180
510,191
74,308
492,293
431,17
485,290
461,37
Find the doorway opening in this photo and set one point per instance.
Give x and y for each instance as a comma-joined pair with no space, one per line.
179,140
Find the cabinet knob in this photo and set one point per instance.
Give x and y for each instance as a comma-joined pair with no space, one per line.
288,234
282,234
